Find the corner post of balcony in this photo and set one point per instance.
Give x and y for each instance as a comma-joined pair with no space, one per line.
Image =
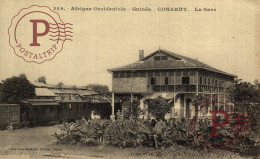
197,83
113,107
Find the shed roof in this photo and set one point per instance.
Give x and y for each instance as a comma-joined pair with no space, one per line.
53,86
44,92
72,91
40,102
8,105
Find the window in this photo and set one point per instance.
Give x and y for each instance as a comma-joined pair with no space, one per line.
178,73
128,74
205,81
135,74
152,81
185,80
185,73
122,74
157,73
164,58
200,80
208,82
115,75
142,74
157,58
166,81
171,73
84,107
163,73
192,73
150,74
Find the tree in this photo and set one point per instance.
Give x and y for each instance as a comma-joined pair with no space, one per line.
16,89
22,75
1,88
244,92
60,84
158,107
131,109
42,79
99,88
257,92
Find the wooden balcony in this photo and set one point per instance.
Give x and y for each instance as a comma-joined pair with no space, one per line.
171,88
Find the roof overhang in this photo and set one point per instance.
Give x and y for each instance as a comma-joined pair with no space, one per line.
175,68
173,55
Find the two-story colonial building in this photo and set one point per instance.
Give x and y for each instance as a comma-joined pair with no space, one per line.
169,75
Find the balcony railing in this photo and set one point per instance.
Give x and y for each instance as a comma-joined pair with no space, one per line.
203,88
171,88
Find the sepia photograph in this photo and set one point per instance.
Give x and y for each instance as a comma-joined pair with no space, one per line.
129,79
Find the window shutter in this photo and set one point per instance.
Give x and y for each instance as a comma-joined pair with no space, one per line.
162,81
192,80
203,80
171,81
149,81
178,80
195,80
157,80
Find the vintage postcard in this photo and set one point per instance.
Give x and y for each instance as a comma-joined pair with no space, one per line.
129,79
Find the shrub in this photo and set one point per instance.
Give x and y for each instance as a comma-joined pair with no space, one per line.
134,132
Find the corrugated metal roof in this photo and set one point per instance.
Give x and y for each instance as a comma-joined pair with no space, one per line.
69,91
40,102
55,86
86,93
44,92
8,105
74,101
44,103
182,63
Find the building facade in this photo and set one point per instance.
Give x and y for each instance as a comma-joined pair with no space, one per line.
57,103
177,78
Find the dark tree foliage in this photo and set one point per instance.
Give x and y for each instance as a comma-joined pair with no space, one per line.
130,109
17,88
245,92
158,107
99,88
60,84
22,75
1,88
42,79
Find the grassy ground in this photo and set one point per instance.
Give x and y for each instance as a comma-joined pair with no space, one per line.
39,143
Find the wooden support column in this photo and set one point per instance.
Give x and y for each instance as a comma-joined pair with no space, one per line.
173,108
197,83
113,107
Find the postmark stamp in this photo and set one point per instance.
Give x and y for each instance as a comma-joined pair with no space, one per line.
37,34
224,127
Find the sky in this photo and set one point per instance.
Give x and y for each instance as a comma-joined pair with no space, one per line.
226,39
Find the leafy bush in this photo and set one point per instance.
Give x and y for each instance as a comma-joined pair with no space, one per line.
82,133
158,107
134,132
